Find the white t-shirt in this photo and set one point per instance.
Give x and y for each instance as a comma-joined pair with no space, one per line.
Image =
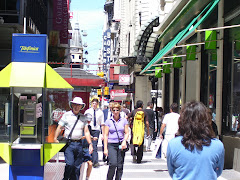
99,118
171,121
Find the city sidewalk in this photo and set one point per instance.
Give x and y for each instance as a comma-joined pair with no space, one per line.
100,173
151,168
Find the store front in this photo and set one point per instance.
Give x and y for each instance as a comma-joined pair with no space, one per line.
209,48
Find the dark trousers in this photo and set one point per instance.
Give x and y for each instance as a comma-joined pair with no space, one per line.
116,161
95,133
105,158
138,152
73,158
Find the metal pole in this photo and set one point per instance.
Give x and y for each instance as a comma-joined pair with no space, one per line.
24,25
218,28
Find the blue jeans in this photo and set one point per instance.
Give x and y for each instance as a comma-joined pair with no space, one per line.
116,161
95,133
73,158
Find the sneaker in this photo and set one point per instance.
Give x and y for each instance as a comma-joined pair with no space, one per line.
134,159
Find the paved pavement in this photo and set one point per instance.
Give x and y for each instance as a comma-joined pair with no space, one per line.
149,169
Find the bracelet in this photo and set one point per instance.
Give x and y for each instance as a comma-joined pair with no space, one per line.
89,143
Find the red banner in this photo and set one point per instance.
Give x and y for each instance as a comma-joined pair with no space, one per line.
61,18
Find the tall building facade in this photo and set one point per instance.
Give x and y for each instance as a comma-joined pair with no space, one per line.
187,50
132,25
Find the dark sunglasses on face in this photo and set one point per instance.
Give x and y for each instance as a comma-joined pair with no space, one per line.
115,110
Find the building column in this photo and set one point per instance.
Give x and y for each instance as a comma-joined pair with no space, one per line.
171,84
183,79
163,90
198,68
143,89
219,83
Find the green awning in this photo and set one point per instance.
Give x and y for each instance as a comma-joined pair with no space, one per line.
181,35
27,74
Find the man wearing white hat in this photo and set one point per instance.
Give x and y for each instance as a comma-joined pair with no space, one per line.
96,124
73,119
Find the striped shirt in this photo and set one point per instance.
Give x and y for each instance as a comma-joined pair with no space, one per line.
68,120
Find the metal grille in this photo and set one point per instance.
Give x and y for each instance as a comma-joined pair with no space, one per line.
54,171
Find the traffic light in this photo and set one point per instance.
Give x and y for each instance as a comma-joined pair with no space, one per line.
101,74
106,91
99,92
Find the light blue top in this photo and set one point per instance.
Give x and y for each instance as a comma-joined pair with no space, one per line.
198,165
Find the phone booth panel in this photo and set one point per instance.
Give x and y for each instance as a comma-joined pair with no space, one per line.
27,86
5,113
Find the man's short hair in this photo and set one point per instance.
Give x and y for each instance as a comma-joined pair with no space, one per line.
174,107
149,103
139,104
95,100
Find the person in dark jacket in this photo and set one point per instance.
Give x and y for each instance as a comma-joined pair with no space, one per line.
151,120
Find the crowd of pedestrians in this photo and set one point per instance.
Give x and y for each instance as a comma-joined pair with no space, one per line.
188,139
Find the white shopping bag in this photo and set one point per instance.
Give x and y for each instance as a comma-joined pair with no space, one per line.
164,149
155,149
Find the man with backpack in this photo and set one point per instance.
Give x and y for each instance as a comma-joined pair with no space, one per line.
138,120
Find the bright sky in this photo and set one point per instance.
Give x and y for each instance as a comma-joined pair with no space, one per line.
91,18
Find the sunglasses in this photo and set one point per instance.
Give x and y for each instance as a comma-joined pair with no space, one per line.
115,110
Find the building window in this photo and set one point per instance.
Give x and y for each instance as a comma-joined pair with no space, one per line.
140,19
235,121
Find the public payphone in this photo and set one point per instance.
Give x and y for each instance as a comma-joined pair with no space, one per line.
27,121
27,116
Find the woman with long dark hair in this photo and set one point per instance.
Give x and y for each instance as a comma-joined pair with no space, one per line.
195,153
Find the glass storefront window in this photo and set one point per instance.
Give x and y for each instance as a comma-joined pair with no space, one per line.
235,123
31,115
56,103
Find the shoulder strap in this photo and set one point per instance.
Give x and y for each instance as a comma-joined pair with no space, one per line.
70,134
116,130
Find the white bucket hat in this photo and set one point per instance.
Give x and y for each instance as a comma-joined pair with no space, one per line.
77,100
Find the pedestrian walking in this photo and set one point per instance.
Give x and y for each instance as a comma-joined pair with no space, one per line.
195,153
87,157
170,121
214,125
151,119
75,124
125,109
138,154
107,114
160,115
115,141
96,124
